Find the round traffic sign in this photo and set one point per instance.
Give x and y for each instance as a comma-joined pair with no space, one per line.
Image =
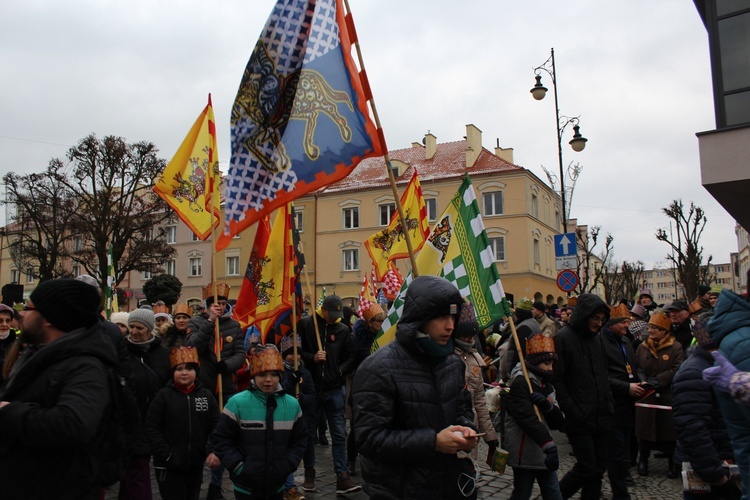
567,280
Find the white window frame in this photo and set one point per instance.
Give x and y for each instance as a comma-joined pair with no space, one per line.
29,274
495,242
75,270
170,233
170,267
350,259
350,217
490,201
385,211
431,206
233,265
195,266
147,275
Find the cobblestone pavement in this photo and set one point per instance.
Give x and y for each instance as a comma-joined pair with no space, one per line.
491,485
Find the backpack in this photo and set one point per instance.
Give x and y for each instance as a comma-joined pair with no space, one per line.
117,429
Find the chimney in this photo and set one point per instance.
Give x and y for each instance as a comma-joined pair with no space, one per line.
504,153
430,145
473,144
416,145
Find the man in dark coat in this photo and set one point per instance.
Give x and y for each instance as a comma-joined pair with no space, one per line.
582,384
411,411
330,359
679,314
625,389
53,404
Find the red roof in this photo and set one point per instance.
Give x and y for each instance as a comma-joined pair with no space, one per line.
448,162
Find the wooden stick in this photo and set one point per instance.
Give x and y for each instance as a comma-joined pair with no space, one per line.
523,362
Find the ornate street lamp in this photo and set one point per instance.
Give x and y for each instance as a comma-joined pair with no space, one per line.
577,143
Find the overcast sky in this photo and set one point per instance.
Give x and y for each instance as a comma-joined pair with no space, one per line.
637,72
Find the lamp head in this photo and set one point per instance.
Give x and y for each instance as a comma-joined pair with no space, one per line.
539,90
578,142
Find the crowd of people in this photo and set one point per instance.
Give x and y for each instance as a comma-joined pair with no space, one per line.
622,382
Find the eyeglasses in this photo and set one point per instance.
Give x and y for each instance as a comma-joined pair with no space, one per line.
599,319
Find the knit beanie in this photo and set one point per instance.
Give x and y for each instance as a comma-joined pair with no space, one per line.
143,316
119,317
66,303
467,325
701,333
539,306
703,290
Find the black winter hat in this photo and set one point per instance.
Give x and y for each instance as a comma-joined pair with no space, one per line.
67,303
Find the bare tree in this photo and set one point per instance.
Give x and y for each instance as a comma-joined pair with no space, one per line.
623,280
111,182
39,232
592,266
686,251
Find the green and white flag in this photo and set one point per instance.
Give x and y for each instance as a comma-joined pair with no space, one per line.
322,296
458,250
111,294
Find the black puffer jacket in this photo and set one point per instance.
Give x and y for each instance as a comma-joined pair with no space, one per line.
702,437
178,426
336,340
50,431
581,371
401,400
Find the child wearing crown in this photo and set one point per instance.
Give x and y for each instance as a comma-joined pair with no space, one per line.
261,435
178,423
531,451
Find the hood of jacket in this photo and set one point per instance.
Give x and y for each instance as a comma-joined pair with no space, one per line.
587,305
731,313
427,297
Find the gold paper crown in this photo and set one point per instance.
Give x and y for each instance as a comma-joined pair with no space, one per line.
539,343
182,309
661,320
266,358
222,290
621,311
180,355
161,309
372,311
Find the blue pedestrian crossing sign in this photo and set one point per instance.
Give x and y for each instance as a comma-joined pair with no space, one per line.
565,245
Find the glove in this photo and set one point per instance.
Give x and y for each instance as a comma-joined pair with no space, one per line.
541,401
727,490
493,444
720,375
551,459
221,367
297,376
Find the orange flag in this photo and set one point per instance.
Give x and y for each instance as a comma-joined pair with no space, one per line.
191,178
390,244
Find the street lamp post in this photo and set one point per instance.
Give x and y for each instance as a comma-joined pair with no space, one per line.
577,143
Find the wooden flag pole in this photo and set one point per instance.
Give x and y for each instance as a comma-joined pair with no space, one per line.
523,362
386,155
313,303
214,169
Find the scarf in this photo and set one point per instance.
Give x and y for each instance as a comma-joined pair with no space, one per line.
435,352
654,346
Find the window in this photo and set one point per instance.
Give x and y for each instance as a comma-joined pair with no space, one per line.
661,274
351,259
386,211
537,257
195,266
534,206
431,205
233,265
30,275
648,274
77,244
171,234
194,237
299,220
147,275
351,217
720,269
661,285
498,248
76,271
15,276
170,267
493,203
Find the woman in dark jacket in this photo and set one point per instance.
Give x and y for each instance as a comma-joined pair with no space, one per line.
658,359
149,361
